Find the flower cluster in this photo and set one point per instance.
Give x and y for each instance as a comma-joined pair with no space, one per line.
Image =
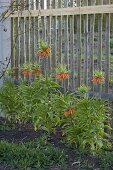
98,77
44,50
31,69
62,72
62,76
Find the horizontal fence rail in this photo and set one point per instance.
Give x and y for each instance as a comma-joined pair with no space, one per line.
80,34
63,11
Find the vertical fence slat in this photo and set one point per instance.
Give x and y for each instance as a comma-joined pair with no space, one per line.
27,34
59,19
21,36
36,37
59,35
72,55
48,36
85,66
91,46
53,39
22,45
107,51
43,36
99,54
99,45
16,45
78,46
12,43
22,33
66,42
16,28
32,40
42,21
27,45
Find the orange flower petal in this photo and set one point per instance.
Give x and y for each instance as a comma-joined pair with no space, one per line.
36,72
98,80
26,72
63,76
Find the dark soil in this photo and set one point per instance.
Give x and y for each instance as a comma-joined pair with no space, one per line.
24,133
20,133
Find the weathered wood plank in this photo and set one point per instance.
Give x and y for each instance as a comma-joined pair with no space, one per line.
22,44
32,36
91,47
43,36
99,47
99,54
59,39
72,50
53,40
27,34
48,37
107,51
43,21
85,55
27,42
66,43
59,34
12,41
98,9
36,38
32,39
37,28
78,47
16,34
22,36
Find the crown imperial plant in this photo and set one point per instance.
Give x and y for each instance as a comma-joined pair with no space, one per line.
44,50
98,77
62,72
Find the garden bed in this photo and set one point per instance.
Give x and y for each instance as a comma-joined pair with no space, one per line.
47,129
71,158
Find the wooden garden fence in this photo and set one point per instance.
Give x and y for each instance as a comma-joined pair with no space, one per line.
79,33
